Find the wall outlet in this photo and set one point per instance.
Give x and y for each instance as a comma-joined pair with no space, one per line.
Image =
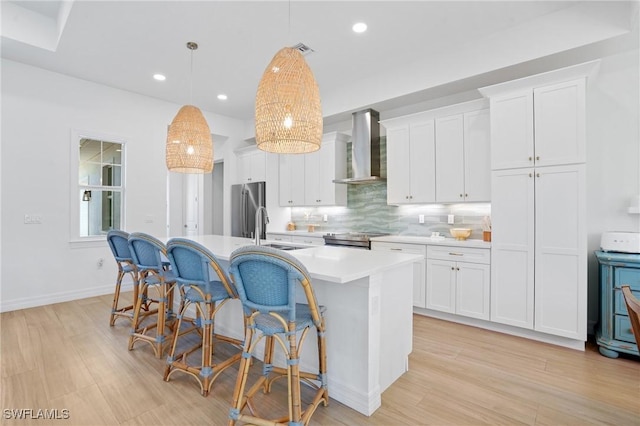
420,218
325,218
450,219
32,219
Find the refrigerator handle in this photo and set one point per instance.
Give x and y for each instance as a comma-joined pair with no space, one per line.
243,212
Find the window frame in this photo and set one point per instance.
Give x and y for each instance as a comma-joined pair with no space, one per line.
76,187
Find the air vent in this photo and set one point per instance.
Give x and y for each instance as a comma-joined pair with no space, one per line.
303,48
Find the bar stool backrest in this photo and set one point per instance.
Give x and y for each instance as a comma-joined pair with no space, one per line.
119,244
192,263
147,252
266,280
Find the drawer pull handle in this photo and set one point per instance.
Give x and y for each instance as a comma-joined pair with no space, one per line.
456,254
396,249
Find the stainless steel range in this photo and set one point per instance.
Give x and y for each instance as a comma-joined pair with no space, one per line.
352,239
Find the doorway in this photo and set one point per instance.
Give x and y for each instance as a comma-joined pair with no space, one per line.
214,200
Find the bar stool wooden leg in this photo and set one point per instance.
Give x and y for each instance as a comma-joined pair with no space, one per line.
239,400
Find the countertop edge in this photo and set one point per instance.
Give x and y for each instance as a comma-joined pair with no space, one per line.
412,239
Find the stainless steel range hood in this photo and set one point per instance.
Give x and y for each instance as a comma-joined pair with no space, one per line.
365,148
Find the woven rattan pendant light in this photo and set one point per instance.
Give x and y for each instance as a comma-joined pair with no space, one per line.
189,144
288,112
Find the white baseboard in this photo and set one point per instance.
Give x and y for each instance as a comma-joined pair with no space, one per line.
64,296
507,329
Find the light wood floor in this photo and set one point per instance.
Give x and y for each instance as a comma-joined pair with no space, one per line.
65,356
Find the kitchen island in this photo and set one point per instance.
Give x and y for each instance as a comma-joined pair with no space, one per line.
368,300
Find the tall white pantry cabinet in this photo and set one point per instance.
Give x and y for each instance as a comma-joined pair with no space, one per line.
538,200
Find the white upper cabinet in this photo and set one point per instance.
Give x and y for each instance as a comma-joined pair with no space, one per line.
411,163
307,179
450,159
477,156
321,168
512,131
439,155
463,171
541,126
291,180
559,117
398,173
251,165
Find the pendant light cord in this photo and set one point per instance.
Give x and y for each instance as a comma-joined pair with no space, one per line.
191,80
191,46
289,30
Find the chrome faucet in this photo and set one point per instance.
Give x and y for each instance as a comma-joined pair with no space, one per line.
258,230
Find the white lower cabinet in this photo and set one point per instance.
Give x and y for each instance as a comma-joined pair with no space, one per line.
419,269
458,281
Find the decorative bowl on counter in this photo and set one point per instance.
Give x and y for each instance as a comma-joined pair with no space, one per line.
460,234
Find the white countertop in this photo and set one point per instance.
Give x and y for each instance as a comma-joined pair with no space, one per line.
334,264
408,239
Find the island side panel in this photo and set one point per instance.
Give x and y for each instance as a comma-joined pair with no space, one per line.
352,353
396,323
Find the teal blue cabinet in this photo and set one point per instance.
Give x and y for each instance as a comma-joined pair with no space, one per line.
614,333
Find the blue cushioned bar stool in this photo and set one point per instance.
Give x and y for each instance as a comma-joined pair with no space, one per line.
118,242
266,281
205,285
148,254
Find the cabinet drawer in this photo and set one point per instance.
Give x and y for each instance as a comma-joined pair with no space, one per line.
619,306
279,237
622,329
400,247
459,254
628,276
316,241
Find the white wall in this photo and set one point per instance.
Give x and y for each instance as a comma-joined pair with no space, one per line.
613,155
39,110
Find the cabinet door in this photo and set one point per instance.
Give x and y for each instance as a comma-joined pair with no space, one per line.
512,130
251,166
560,252
441,285
477,156
472,290
398,171
450,159
291,180
422,162
560,123
312,171
512,247
320,170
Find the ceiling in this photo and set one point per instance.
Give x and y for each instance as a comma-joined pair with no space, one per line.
123,43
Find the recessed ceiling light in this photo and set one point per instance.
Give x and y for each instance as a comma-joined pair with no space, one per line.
159,77
359,27
222,97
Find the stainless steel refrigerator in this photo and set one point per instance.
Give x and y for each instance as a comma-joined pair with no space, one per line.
245,200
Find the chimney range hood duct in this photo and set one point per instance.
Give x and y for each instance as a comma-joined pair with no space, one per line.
365,148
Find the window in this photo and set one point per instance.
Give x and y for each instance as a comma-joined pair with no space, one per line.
98,193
